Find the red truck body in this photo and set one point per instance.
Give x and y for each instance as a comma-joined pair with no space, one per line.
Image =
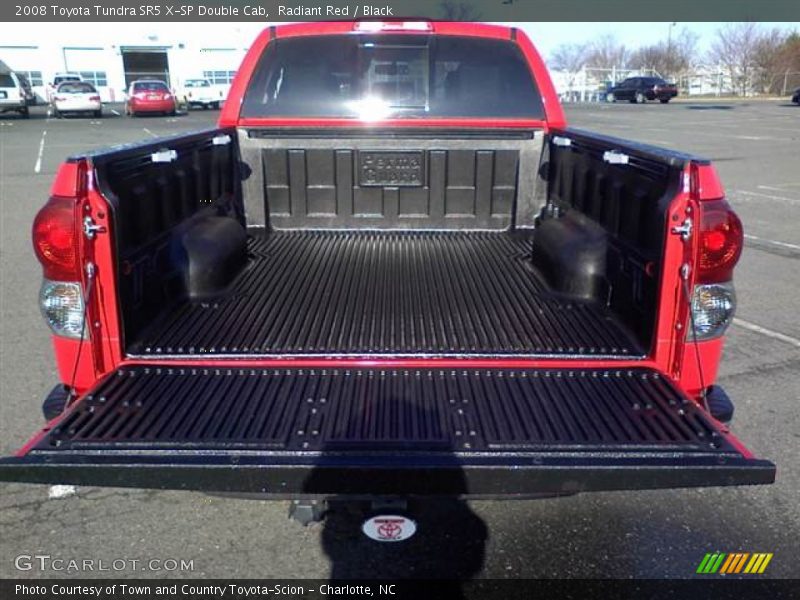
696,223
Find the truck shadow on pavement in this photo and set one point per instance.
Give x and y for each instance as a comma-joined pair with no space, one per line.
450,539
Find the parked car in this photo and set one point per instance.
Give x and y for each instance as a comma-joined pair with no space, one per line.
58,79
149,96
76,97
13,97
199,93
641,89
393,270
796,96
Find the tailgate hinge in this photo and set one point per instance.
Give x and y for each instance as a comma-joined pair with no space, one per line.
684,230
90,228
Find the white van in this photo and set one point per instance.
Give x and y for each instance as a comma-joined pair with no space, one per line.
12,93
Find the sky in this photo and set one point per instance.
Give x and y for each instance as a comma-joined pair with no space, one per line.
546,36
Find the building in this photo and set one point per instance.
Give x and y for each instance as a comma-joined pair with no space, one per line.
111,55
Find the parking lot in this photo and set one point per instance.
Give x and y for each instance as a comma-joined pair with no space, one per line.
651,534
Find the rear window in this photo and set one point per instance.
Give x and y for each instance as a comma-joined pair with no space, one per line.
197,83
149,86
408,76
76,87
63,78
6,80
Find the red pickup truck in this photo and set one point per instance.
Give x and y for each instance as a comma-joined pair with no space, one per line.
393,270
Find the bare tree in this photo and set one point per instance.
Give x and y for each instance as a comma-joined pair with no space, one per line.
607,52
451,10
569,58
668,58
735,49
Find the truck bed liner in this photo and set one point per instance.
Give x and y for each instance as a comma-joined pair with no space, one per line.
388,293
478,410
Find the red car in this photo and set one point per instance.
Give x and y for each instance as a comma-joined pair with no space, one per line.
148,97
392,271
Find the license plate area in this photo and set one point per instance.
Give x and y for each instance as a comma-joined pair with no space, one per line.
391,169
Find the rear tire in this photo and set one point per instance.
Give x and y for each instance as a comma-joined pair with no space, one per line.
25,113
98,114
215,105
664,100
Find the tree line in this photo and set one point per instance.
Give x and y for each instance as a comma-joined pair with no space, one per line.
754,58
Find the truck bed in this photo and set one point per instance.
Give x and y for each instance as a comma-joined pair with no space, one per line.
388,293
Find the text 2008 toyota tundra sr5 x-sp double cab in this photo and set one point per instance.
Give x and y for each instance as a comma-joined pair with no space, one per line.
393,271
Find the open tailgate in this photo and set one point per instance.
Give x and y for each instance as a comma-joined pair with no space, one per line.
385,431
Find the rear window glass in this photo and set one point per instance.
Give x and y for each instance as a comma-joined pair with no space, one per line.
64,78
76,87
6,80
197,83
408,76
149,86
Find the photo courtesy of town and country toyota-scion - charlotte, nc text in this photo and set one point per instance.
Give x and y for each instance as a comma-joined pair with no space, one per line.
208,591
352,11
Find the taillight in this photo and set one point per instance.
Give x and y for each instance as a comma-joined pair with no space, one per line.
55,239
94,98
713,307
720,240
62,307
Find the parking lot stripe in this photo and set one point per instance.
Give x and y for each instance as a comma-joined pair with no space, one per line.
148,132
769,197
38,166
772,242
115,112
767,332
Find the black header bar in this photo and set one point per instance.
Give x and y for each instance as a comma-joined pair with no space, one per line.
463,10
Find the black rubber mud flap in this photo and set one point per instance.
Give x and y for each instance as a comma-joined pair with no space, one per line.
380,431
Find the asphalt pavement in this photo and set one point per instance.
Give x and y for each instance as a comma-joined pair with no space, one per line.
655,534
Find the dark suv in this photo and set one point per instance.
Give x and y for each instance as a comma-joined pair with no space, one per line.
641,89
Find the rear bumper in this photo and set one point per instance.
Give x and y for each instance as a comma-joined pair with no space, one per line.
381,431
77,106
663,95
297,475
161,106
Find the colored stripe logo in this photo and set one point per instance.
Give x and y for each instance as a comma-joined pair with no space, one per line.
733,563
